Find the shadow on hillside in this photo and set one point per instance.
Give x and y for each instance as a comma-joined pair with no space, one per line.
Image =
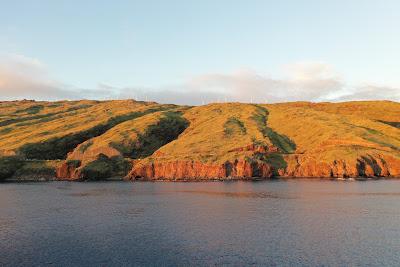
167,129
391,123
59,147
275,160
282,142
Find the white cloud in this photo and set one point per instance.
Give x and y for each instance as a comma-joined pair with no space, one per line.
371,92
23,77
310,83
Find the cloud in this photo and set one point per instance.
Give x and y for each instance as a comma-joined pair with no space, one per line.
24,77
305,82
371,92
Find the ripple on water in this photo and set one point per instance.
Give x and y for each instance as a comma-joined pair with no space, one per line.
291,223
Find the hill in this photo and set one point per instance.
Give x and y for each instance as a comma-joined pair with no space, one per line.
80,140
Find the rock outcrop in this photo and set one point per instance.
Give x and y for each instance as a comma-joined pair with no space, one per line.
192,170
364,166
69,170
297,166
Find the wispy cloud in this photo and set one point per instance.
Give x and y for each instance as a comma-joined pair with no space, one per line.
24,77
371,92
305,82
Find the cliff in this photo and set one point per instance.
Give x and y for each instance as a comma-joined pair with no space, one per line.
81,140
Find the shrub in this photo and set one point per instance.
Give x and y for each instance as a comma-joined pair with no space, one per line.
31,110
121,166
99,169
40,167
9,165
6,130
74,163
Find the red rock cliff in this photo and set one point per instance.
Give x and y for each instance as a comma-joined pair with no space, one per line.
192,170
297,166
68,171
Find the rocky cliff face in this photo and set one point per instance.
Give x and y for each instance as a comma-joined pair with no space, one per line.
191,170
68,171
242,169
364,166
296,166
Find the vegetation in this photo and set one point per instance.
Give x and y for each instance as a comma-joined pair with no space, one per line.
66,119
392,123
101,138
85,146
104,167
74,163
164,131
280,141
9,165
30,120
31,110
37,167
58,147
99,169
234,125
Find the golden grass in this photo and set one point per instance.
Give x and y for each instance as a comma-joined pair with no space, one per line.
326,131
338,130
216,132
115,141
68,118
205,139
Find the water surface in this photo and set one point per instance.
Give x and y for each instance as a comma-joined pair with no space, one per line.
285,223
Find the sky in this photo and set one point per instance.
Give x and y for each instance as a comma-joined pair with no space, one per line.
195,52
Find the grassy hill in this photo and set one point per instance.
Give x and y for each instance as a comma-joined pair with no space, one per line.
145,140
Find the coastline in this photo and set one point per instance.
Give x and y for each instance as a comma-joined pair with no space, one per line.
41,179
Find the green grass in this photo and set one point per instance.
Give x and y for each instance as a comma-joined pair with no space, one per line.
104,167
278,140
6,130
234,125
74,163
37,167
9,165
31,110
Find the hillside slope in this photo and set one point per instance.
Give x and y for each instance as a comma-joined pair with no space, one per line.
150,141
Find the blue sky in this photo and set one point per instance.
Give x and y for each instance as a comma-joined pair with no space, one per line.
275,50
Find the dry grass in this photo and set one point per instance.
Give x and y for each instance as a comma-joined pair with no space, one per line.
206,139
338,130
216,133
57,119
117,141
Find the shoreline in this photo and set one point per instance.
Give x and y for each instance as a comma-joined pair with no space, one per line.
255,179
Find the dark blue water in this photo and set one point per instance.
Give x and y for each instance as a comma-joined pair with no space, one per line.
276,223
